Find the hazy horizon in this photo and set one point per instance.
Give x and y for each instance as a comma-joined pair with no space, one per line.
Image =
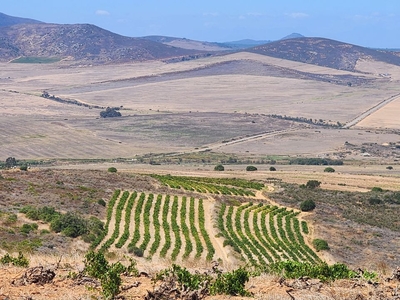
364,23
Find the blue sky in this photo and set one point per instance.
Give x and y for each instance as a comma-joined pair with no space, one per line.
370,23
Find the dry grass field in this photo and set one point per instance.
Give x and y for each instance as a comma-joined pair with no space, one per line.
181,106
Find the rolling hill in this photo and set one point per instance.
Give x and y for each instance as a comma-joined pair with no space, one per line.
324,52
82,42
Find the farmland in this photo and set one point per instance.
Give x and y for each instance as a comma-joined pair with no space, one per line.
174,227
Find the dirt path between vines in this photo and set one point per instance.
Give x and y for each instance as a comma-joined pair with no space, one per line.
221,252
111,225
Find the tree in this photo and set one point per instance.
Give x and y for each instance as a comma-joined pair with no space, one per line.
112,170
329,170
110,113
10,162
251,168
219,168
307,205
272,169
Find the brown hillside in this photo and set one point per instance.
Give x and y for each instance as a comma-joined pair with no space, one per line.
82,42
324,52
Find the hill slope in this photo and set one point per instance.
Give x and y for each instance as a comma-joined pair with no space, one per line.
324,52
6,20
82,42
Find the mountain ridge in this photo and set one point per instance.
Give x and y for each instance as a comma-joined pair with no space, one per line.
82,42
324,52
7,20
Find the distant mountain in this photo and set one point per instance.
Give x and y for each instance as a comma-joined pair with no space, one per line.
187,43
323,52
293,36
82,42
243,44
248,43
6,20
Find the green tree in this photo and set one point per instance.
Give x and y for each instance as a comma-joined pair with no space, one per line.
219,168
307,205
112,170
251,168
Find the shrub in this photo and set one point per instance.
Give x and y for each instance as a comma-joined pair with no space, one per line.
376,189
320,244
251,168
307,205
112,170
219,168
27,228
329,170
20,261
374,201
312,184
70,224
101,202
389,168
136,251
109,274
272,169
23,168
232,283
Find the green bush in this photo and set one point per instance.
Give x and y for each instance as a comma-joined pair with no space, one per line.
23,168
389,168
20,261
219,168
312,184
70,225
320,245
272,169
136,251
251,168
307,205
101,202
232,283
109,274
112,170
377,189
322,271
27,228
329,170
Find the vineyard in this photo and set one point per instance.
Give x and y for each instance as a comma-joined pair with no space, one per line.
264,234
223,186
167,226
180,228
